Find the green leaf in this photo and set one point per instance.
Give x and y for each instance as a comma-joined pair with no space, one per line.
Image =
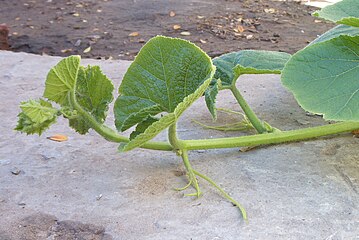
324,78
210,96
344,12
61,80
167,120
230,66
336,32
36,116
165,71
142,126
94,94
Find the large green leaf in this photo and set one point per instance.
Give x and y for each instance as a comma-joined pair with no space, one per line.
344,12
231,65
93,93
336,32
324,78
36,116
167,120
168,75
165,71
61,80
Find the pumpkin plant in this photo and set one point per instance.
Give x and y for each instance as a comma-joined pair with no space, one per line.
169,74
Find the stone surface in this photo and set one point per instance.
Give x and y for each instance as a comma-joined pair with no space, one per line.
304,190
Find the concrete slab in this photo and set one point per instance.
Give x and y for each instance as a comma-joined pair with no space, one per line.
84,189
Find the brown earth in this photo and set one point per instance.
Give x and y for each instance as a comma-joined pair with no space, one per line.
118,29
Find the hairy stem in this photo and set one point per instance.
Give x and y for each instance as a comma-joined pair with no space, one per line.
110,134
257,124
271,138
243,211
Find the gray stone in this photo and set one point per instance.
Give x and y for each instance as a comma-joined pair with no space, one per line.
304,190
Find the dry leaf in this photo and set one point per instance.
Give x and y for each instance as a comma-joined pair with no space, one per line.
269,10
246,149
249,37
133,34
240,28
66,50
87,50
172,13
185,33
176,27
356,133
202,41
58,138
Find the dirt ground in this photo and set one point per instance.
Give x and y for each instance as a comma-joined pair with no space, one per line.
118,29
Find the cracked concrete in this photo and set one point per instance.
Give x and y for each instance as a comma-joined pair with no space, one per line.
85,189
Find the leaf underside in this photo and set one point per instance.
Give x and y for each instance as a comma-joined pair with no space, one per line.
165,77
336,32
232,65
344,12
94,94
210,97
61,80
324,78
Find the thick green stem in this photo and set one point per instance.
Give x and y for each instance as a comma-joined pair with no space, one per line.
271,138
110,134
257,124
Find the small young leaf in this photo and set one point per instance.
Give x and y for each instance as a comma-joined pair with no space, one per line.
94,94
61,80
324,78
165,71
36,116
344,12
336,32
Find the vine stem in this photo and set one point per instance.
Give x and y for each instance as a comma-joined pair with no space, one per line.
271,138
176,143
253,140
252,117
110,134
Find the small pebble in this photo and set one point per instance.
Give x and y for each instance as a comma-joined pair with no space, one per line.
15,171
98,197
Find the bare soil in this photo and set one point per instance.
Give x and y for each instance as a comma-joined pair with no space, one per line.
118,29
